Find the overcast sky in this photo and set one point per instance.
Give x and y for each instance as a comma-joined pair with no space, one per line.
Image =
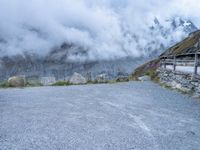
38,26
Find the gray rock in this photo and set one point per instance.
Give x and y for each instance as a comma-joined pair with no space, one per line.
185,89
195,83
77,79
17,81
174,84
122,79
144,78
196,95
102,78
46,81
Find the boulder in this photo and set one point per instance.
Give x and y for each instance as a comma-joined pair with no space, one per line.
102,78
77,79
144,78
174,85
122,79
17,81
180,87
46,81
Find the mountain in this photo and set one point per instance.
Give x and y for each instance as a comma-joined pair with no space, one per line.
57,63
175,26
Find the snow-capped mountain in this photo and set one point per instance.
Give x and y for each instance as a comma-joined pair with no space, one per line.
150,43
167,34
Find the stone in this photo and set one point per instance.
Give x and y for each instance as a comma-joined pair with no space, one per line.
144,78
196,95
186,90
195,83
122,79
46,81
180,87
102,78
181,82
17,81
77,79
174,84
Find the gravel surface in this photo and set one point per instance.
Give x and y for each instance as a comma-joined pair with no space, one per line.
124,116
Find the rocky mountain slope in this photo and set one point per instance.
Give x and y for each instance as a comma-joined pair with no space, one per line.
58,64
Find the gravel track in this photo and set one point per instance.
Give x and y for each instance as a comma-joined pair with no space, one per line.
124,116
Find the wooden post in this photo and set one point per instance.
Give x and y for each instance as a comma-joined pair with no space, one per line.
161,63
196,64
165,63
174,64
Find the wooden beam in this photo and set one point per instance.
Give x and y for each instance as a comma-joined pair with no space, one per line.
186,54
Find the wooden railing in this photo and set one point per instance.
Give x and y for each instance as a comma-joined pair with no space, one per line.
179,61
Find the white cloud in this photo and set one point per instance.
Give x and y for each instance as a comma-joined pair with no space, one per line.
37,26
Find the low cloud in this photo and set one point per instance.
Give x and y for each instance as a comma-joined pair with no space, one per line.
105,29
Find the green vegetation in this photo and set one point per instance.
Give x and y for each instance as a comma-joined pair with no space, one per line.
147,69
61,83
112,81
165,86
5,84
153,75
92,82
123,79
31,83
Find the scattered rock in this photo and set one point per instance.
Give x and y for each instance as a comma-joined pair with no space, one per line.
179,81
144,78
196,95
182,88
77,79
122,79
174,85
17,81
195,83
102,78
46,81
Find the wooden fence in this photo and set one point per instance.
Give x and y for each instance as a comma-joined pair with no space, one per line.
182,60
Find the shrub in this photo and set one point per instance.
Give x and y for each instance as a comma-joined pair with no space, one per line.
112,81
152,74
61,83
92,82
5,84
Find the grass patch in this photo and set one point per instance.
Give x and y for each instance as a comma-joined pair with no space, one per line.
61,83
153,75
165,86
92,82
112,81
5,84
148,68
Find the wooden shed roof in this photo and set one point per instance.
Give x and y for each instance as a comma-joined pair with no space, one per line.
187,46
